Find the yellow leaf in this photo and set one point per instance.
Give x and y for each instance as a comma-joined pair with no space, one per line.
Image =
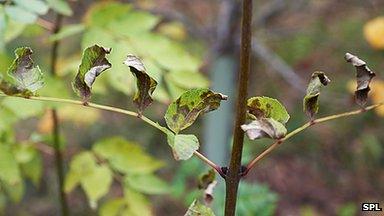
174,30
374,32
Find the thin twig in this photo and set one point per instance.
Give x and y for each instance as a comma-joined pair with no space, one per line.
300,129
121,111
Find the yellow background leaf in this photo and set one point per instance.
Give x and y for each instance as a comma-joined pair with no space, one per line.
374,32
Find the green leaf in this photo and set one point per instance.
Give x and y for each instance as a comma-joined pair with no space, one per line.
364,75
97,183
145,84
10,172
184,111
198,209
137,204
103,13
33,169
206,179
266,107
92,65
60,6
24,78
20,14
147,183
126,157
34,6
94,179
311,99
14,191
183,145
138,22
188,79
113,207
67,31
264,127
22,109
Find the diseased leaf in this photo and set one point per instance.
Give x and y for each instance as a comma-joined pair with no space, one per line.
198,209
265,107
311,99
183,145
206,179
92,65
145,84
264,127
24,77
364,76
147,183
184,111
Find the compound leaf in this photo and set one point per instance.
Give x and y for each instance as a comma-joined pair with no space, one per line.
364,76
264,127
184,111
311,99
24,77
265,107
92,65
145,84
183,145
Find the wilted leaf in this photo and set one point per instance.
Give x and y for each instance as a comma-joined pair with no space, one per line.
374,32
198,209
184,111
206,179
92,65
183,145
363,77
265,107
125,156
311,99
24,77
145,84
147,183
264,127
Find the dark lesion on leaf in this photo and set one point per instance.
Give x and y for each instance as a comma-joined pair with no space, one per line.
364,76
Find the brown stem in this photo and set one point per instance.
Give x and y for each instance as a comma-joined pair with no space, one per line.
59,162
233,174
209,163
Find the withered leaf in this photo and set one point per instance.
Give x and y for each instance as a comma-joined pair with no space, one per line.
24,78
264,127
207,183
145,84
311,99
363,77
184,111
92,65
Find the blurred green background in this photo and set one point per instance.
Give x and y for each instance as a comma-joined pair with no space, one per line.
329,169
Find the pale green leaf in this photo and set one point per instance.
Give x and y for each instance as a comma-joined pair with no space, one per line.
134,22
311,99
147,183
67,31
266,107
113,207
34,6
125,156
81,165
102,14
33,169
10,172
188,79
137,204
183,145
20,14
22,109
60,6
96,184
264,127
185,110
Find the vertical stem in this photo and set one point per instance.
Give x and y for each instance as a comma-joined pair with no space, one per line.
59,162
233,175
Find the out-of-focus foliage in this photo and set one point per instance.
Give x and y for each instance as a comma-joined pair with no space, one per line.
374,32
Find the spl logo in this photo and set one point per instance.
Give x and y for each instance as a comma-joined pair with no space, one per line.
371,207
